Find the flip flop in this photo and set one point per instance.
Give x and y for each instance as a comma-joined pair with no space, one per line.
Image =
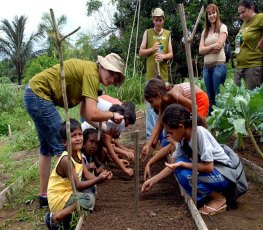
214,211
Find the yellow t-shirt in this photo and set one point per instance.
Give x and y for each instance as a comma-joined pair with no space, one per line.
82,80
252,32
59,189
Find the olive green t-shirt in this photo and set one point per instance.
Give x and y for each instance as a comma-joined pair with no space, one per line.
252,32
82,80
151,67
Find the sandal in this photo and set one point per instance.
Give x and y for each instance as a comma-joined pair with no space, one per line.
213,210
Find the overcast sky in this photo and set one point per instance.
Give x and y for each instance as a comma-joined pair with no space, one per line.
74,10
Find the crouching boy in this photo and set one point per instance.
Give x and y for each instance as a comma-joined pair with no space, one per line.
60,195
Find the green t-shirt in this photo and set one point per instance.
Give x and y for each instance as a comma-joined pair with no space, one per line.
251,32
151,67
82,80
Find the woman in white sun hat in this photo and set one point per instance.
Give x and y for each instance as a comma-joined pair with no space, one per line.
44,93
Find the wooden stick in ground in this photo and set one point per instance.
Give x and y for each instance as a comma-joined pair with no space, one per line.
9,131
193,94
137,179
59,40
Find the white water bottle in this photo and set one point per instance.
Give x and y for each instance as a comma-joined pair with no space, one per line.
238,43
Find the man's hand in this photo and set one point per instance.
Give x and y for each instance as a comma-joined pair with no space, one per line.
117,118
155,47
159,57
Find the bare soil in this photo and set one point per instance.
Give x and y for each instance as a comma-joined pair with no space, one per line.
161,208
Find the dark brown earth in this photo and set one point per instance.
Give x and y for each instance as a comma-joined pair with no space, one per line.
161,208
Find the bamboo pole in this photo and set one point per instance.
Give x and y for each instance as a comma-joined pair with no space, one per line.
136,40
59,41
137,179
193,94
127,59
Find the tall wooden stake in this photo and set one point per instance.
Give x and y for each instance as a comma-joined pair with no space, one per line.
193,95
137,179
59,40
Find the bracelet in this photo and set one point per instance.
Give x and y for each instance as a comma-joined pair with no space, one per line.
112,116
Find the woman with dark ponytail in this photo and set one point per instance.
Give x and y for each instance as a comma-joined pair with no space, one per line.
213,183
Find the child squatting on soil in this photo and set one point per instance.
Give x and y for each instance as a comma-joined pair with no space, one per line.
91,151
212,184
160,96
113,147
60,196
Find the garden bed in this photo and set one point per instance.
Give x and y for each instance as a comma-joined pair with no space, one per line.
161,208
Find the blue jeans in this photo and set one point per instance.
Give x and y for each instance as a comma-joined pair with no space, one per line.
47,122
206,182
213,77
151,118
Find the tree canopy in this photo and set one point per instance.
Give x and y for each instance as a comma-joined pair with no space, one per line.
123,20
14,45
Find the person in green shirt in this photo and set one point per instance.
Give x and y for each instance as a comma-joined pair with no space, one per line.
43,94
249,46
156,46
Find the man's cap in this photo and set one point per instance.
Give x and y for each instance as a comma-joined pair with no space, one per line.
158,12
113,62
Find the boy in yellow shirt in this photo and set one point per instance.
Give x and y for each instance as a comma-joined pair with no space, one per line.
60,195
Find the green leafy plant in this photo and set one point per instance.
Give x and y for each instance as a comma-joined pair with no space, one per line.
239,111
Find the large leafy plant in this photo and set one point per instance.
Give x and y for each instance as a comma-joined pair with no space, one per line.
239,111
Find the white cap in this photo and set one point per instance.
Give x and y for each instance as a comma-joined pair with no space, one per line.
158,12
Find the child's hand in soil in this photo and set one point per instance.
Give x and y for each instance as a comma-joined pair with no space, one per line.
147,172
147,185
129,171
125,162
145,151
105,174
130,155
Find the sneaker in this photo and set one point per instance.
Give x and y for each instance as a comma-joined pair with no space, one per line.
43,203
49,223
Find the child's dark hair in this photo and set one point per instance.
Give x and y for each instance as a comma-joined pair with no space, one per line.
117,109
74,124
248,4
129,108
176,114
87,133
153,87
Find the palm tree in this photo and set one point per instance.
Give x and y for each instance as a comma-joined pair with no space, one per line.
14,45
46,27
